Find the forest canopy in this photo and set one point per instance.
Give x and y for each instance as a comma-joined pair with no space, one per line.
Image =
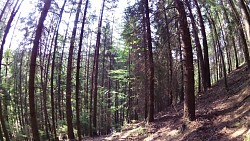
81,68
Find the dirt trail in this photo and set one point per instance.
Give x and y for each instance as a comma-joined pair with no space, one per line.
221,115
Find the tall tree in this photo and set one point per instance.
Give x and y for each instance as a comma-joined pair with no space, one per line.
151,65
69,75
78,73
4,8
246,15
6,32
241,33
205,46
199,49
8,26
95,69
53,68
189,101
32,71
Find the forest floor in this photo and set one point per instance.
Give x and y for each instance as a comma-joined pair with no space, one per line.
221,115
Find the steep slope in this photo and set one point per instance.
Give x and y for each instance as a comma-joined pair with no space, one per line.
220,115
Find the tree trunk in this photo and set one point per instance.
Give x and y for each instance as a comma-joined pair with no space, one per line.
202,66
181,69
69,75
4,8
20,89
205,46
241,32
145,67
78,75
189,101
109,98
95,69
220,51
32,71
235,53
60,92
230,36
245,12
225,45
151,65
52,71
8,26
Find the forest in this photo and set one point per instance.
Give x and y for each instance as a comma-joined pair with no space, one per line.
85,69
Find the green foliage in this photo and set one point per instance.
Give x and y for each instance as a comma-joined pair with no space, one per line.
62,127
119,74
21,136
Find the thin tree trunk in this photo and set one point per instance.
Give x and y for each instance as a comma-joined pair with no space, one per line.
86,101
4,8
151,65
52,71
20,88
32,71
199,50
230,36
220,52
8,26
225,44
69,75
215,56
129,87
109,97
78,75
245,12
241,32
95,69
60,92
44,75
205,46
235,53
145,67
181,69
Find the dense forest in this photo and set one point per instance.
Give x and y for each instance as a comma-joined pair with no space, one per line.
85,68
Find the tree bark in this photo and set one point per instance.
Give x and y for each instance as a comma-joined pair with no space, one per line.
205,46
151,65
231,35
52,71
32,71
78,75
199,50
220,50
4,8
145,67
95,69
60,92
245,12
241,32
69,75
189,101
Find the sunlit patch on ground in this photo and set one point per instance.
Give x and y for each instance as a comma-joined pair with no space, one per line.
222,115
238,132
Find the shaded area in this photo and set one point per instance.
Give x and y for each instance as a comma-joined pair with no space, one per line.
220,115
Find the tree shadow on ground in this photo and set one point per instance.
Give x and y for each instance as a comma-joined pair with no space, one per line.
215,131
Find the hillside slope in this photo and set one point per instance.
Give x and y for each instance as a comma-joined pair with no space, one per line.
221,115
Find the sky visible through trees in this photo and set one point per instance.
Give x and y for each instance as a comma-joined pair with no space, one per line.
85,68
28,5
